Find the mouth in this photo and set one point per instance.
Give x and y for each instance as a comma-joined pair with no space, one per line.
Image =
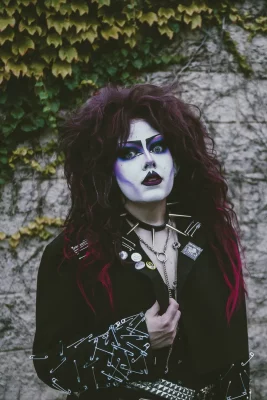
152,179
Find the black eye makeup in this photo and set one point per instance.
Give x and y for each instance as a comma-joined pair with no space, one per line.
158,146
128,152
155,144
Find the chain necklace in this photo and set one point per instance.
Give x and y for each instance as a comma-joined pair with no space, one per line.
162,257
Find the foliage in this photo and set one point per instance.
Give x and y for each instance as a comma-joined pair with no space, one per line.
54,53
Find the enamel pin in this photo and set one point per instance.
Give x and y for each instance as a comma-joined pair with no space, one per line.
192,251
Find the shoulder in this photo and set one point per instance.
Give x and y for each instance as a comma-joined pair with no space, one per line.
56,246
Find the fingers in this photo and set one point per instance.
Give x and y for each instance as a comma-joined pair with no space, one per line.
171,310
154,309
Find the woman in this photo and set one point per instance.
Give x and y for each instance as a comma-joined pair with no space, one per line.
142,294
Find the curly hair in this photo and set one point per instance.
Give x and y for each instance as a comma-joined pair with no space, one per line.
89,139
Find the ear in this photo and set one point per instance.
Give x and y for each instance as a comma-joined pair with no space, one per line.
176,168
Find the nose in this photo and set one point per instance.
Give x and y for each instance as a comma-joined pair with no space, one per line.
149,164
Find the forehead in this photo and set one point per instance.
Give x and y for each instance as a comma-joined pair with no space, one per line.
141,130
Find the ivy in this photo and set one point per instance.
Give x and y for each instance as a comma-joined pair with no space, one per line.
56,53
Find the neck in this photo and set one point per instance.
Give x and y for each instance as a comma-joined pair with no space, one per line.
151,213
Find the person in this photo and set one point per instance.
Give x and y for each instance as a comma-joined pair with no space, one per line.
141,296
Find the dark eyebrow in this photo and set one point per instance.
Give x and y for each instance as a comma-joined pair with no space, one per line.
139,143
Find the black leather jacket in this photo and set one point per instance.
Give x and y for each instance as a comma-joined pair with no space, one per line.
95,354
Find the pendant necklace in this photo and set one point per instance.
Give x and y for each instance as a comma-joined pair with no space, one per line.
162,257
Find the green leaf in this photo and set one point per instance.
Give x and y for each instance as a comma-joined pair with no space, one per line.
54,38
49,54
6,21
22,45
68,53
31,29
112,70
37,68
27,127
80,6
17,112
7,35
5,55
61,68
58,23
138,63
3,160
111,33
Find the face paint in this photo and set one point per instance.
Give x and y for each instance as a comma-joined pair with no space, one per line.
144,168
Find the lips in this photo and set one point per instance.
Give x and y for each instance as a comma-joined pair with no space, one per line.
152,179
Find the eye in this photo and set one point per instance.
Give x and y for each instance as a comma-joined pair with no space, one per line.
158,147
128,153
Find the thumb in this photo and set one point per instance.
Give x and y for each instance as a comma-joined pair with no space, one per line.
154,309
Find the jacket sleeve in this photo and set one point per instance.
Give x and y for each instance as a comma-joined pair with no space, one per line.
69,354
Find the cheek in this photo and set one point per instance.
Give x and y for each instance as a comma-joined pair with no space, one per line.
121,172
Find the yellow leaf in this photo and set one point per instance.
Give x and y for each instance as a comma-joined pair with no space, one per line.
73,38
31,29
128,30
111,33
162,21
196,21
166,12
16,236
2,235
233,17
187,19
150,18
130,41
102,3
6,21
121,22
194,8
32,225
13,243
4,76
68,53
58,23
7,35
16,68
25,231
40,220
80,23
61,68
89,35
80,6
166,30
54,38
22,45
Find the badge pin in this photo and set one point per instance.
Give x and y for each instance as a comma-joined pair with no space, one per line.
139,265
192,251
150,265
136,257
176,245
123,255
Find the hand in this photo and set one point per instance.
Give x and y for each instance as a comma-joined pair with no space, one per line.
162,328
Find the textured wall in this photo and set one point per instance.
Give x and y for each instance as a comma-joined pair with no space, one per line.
234,111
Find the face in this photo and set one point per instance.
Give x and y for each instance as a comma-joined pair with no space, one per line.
144,168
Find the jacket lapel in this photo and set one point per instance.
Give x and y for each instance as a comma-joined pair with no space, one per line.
159,286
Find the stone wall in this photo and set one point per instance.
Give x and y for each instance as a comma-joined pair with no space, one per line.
234,111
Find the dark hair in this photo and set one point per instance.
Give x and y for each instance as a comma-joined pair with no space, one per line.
89,139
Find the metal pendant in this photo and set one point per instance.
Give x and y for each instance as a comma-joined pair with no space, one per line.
192,251
162,257
176,245
150,265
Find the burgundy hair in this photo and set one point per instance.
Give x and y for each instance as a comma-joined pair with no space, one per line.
89,139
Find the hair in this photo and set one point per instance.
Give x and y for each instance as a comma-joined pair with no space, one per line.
89,139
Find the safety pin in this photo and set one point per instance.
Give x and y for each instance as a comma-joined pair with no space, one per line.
146,370
62,361
84,389
127,246
133,330
139,337
78,341
141,320
191,227
251,356
111,377
180,215
113,332
132,243
237,397
88,365
56,385
78,376
61,353
197,227
118,347
227,372
33,357
132,345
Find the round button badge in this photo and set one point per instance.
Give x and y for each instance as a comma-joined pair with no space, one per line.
136,257
140,265
150,265
123,255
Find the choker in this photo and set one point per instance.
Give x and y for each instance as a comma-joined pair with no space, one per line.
144,225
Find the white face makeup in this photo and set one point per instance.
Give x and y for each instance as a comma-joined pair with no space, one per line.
144,168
